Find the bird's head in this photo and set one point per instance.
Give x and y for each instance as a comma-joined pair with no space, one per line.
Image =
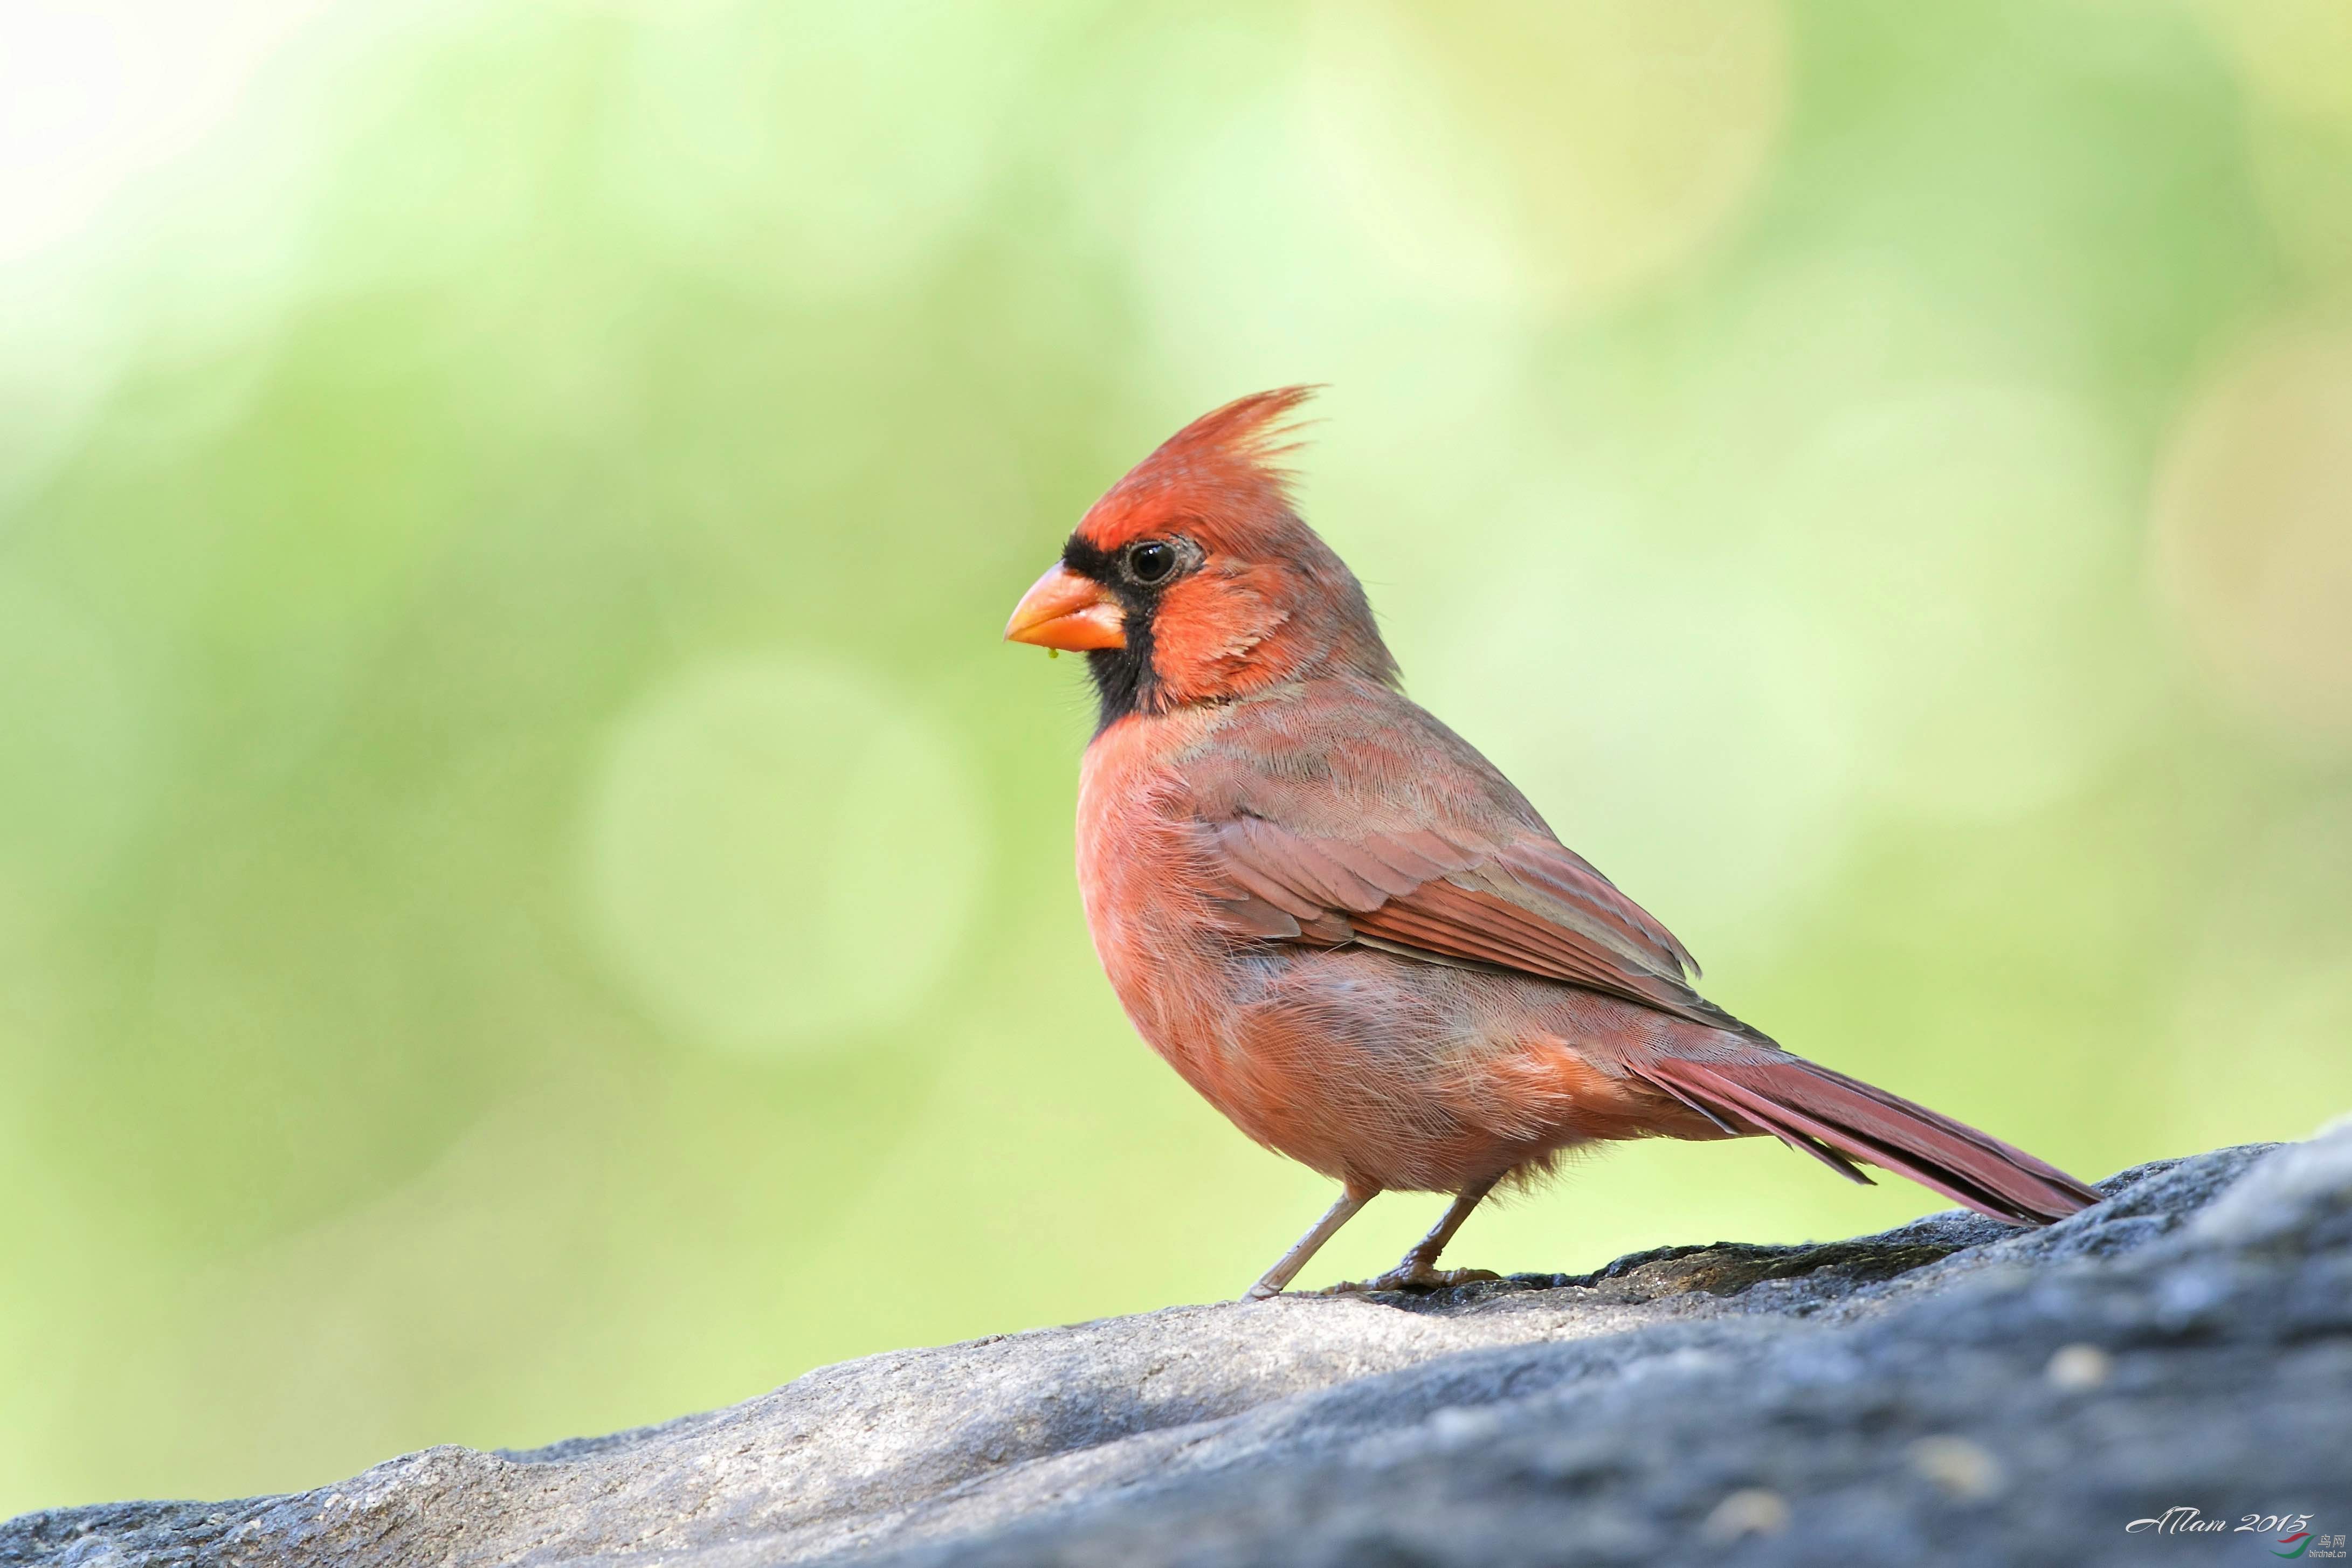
1193,580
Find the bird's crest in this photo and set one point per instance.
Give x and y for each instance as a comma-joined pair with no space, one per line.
1246,434
1221,468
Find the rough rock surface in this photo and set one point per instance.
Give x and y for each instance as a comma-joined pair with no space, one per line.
1948,1392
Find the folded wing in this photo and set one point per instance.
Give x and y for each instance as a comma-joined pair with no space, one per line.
1527,904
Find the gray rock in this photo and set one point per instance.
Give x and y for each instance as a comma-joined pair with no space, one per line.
1951,1391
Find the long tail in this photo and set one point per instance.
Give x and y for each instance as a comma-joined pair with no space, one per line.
1839,1120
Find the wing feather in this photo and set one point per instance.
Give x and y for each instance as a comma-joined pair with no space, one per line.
1368,819
1518,907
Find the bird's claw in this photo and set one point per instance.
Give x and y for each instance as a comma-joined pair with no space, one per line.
1417,1278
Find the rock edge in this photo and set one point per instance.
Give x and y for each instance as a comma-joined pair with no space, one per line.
1949,1391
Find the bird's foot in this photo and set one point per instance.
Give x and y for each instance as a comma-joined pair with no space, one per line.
1418,1278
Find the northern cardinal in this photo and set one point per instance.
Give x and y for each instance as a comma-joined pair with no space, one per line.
1348,930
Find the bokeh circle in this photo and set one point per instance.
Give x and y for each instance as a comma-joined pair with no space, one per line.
780,854
2252,530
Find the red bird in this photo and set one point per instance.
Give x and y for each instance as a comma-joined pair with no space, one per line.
1346,928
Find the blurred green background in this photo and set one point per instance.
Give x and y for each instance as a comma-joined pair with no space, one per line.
532,899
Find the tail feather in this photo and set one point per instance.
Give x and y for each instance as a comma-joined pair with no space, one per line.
1839,1120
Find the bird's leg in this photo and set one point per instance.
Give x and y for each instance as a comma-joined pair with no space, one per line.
1287,1267
1418,1269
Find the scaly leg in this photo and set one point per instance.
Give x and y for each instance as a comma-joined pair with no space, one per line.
1287,1268
1418,1269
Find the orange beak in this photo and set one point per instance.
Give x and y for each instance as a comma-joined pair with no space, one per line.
1063,609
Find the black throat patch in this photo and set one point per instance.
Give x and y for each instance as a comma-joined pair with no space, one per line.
1125,681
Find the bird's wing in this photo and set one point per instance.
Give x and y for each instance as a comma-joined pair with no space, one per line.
1355,816
1527,904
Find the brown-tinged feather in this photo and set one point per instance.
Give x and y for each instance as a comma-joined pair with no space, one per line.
1801,1102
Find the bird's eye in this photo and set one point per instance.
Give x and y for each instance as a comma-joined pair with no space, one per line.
1150,561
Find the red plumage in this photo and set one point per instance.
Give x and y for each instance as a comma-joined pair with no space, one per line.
1346,928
